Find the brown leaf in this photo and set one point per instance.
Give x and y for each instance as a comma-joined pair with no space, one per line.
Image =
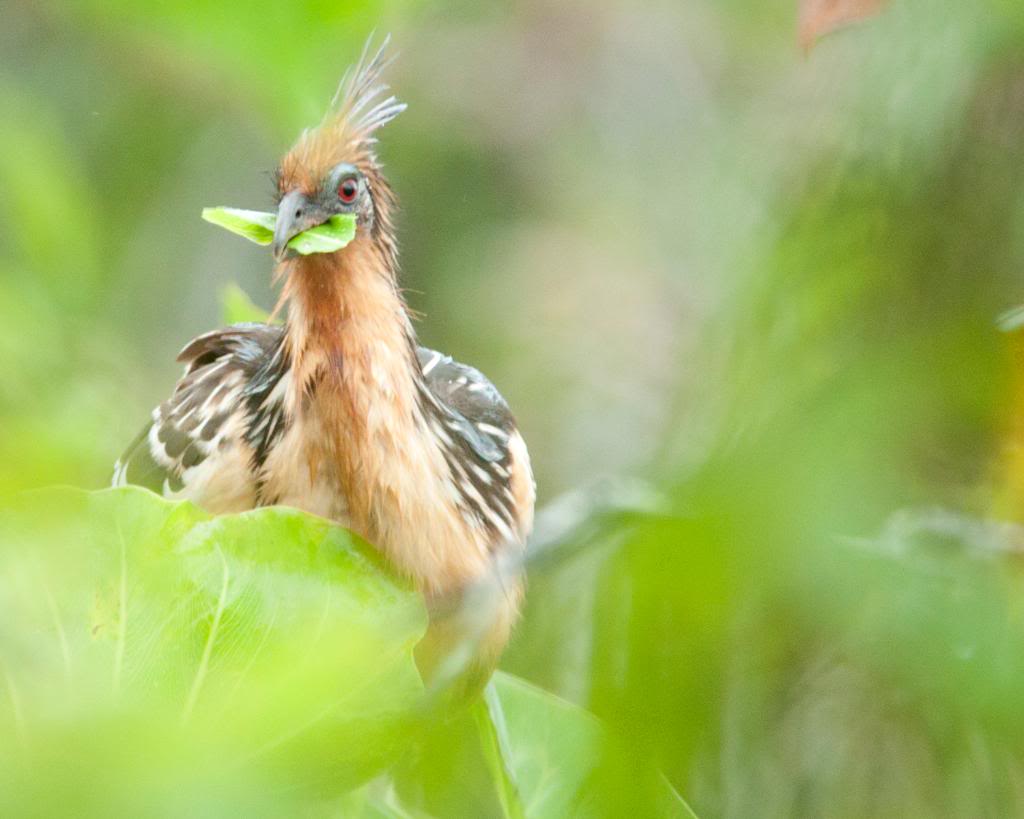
819,17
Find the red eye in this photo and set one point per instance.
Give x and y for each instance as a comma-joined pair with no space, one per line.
347,190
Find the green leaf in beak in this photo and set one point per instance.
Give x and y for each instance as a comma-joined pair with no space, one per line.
332,235
258,226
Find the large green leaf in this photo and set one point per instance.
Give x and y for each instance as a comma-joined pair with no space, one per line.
546,754
155,660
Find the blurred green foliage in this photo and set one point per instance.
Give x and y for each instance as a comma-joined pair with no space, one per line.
149,651
160,662
763,283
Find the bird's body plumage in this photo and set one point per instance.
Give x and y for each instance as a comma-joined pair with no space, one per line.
339,412
228,439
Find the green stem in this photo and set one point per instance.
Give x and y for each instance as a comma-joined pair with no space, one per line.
491,744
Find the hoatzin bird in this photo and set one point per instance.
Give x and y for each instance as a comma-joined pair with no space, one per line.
340,412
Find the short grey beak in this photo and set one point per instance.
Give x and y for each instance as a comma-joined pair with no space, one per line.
294,215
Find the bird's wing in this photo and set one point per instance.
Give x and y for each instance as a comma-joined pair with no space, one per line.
199,444
491,459
479,413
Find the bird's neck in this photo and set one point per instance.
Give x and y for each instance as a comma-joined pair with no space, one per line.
348,326
353,358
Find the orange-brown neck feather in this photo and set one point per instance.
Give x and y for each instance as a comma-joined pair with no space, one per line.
355,389
353,361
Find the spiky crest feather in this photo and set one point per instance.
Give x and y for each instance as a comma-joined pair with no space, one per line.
360,106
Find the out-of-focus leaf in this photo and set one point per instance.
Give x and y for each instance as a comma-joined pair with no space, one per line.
1008,496
37,154
256,226
1011,320
490,726
375,800
332,235
237,307
820,17
149,653
546,753
219,50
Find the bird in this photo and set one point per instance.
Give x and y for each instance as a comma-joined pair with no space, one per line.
338,411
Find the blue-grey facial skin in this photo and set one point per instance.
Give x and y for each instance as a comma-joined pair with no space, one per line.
298,212
331,199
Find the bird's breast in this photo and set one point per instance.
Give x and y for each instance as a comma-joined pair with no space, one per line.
358,454
297,473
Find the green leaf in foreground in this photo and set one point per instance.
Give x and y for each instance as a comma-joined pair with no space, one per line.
156,661
545,754
258,226
254,225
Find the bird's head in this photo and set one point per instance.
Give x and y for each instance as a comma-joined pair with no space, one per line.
333,168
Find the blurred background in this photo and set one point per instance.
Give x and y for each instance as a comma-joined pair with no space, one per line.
744,299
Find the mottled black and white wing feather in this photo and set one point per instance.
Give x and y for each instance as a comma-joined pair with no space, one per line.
476,427
204,429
